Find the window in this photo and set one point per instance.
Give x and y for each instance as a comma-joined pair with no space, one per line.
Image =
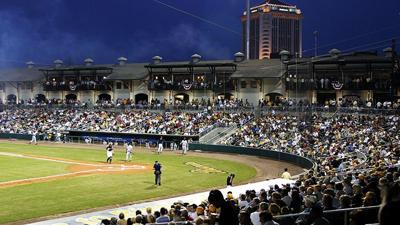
253,84
126,85
243,84
25,85
119,85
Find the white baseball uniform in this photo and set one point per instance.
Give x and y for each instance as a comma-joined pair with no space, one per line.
129,149
185,146
33,140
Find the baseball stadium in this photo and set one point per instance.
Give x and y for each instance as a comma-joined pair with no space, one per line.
272,135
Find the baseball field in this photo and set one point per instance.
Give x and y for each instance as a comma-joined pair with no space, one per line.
53,179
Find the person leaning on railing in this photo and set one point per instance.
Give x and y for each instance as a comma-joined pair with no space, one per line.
388,213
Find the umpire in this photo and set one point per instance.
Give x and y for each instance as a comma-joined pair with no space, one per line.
157,172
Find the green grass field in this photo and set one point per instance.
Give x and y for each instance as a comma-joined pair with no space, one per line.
89,191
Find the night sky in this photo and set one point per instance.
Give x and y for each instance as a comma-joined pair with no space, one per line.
72,30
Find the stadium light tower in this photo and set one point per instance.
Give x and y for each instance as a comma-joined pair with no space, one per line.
248,30
315,43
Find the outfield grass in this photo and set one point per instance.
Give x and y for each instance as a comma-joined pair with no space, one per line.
89,191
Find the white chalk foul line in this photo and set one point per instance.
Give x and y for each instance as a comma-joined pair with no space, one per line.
6,183
108,168
68,162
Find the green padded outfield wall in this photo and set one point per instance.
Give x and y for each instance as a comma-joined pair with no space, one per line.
280,156
19,136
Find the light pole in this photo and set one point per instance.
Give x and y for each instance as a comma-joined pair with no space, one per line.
315,43
297,83
284,62
248,29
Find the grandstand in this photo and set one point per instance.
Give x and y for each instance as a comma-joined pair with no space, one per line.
304,140
355,155
344,131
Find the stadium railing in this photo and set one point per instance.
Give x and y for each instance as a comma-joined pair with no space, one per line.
338,110
338,216
176,223
369,215
208,129
228,108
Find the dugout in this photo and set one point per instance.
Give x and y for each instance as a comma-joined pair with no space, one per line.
80,136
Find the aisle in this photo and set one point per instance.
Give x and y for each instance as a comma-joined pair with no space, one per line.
94,218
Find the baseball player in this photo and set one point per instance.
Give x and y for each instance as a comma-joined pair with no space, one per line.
129,151
33,140
109,150
185,146
175,146
160,146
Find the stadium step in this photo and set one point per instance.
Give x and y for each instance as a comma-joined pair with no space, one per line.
215,135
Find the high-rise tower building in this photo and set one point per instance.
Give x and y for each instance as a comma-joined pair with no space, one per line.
274,26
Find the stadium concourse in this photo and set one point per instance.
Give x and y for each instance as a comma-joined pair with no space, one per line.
356,164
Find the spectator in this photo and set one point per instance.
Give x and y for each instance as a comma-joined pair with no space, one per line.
122,220
266,219
255,216
316,216
227,211
163,216
286,175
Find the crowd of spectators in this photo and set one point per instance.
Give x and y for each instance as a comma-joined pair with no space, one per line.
126,103
333,83
347,102
74,85
194,104
305,202
357,165
317,133
43,121
218,103
342,178
185,84
48,102
357,158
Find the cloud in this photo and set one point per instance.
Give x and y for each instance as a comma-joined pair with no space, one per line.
181,41
24,37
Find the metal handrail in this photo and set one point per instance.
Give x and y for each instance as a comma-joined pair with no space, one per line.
283,108
345,214
177,223
296,215
222,134
328,211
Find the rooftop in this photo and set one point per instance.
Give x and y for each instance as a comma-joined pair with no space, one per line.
275,6
276,2
268,68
